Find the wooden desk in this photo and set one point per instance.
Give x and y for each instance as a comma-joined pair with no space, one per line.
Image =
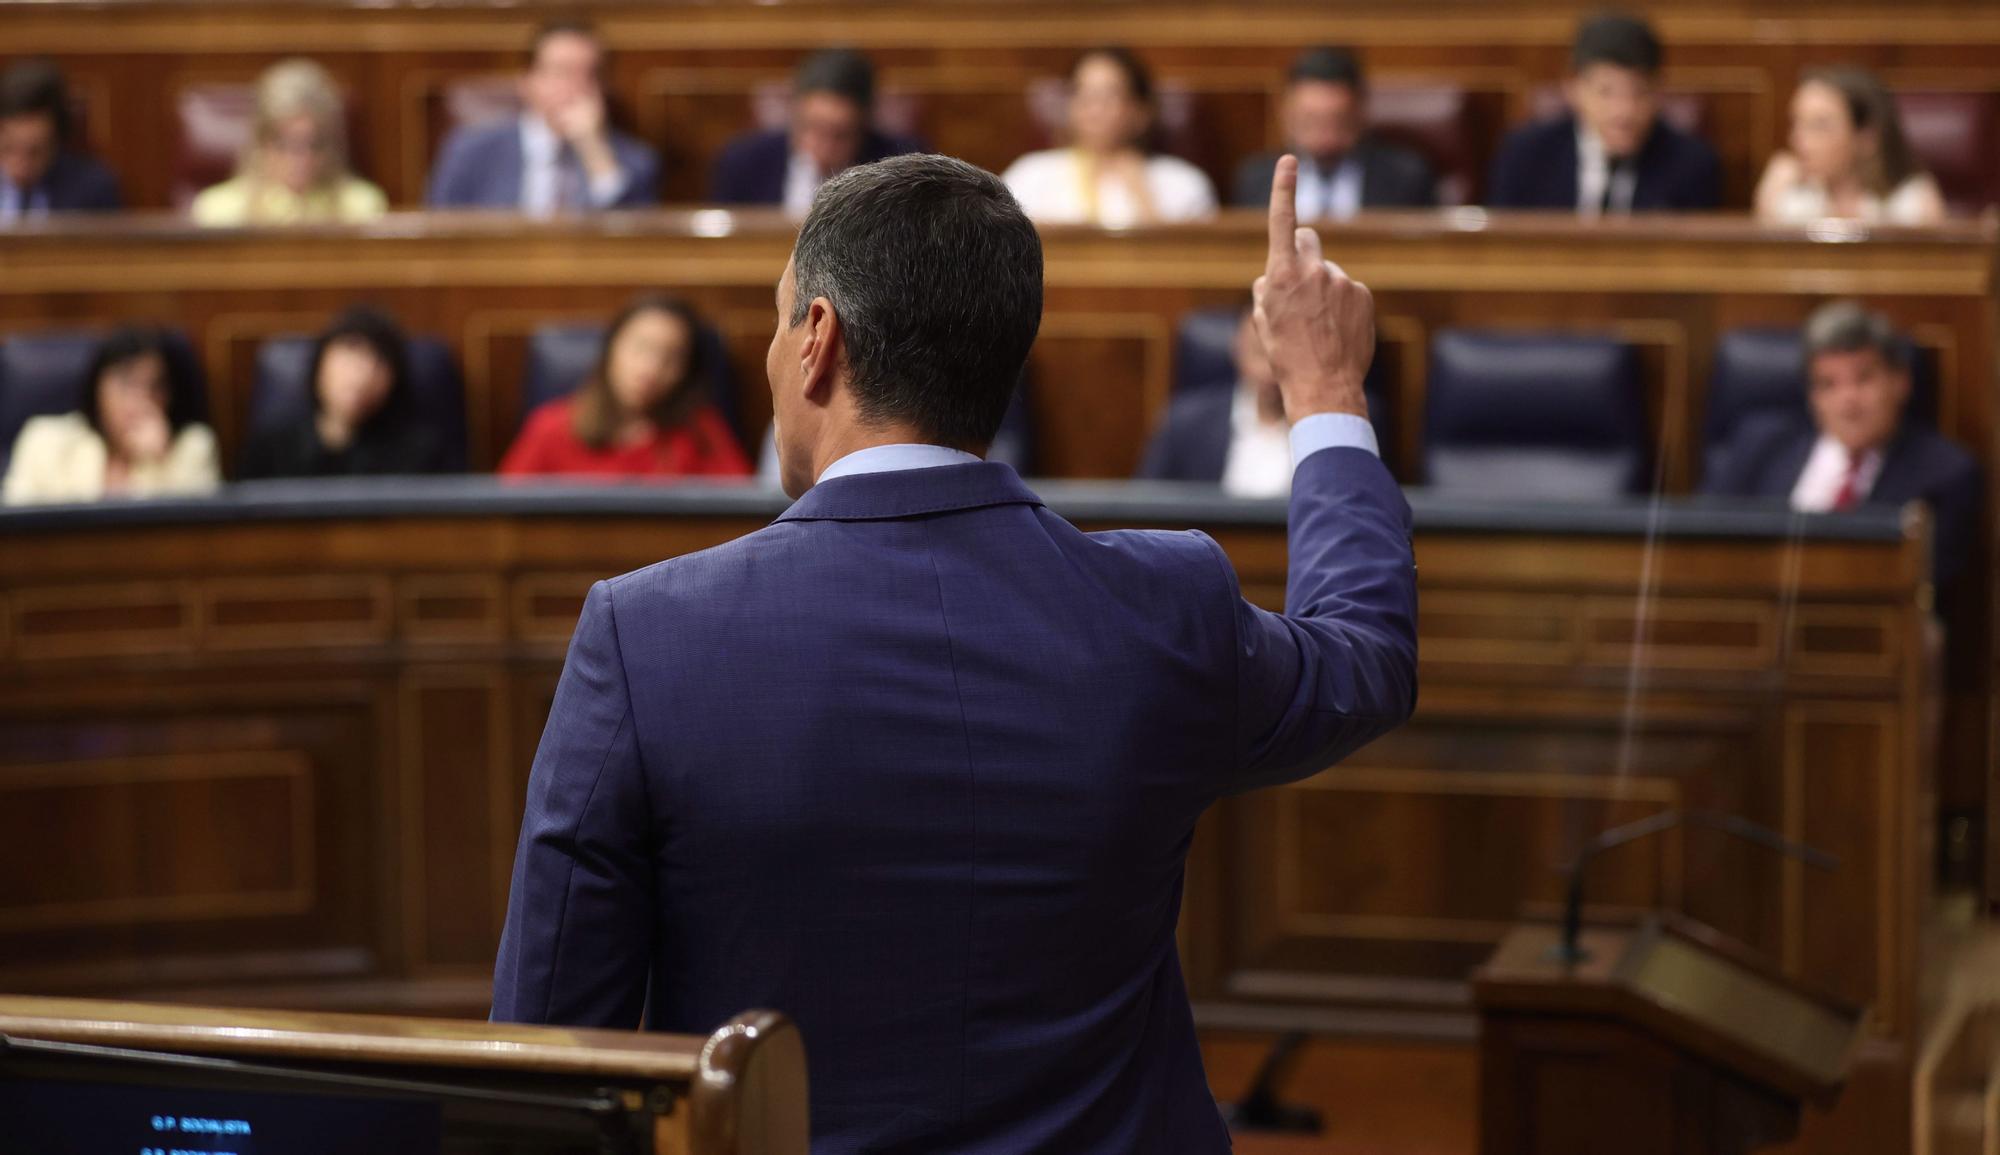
684,72
357,676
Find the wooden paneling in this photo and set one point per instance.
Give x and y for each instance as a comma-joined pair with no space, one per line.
255,810
686,76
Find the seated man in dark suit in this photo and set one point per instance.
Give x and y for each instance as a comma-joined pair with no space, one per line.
1859,446
39,173
833,109
561,155
1342,170
1612,154
1237,437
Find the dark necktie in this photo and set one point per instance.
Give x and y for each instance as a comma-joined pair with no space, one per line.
1614,170
1849,494
570,182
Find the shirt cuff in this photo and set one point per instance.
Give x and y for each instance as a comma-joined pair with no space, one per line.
1332,431
606,189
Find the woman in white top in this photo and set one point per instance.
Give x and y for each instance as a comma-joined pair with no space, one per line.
295,168
133,435
1848,158
1106,176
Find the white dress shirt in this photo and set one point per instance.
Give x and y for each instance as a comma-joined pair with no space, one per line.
1593,174
1050,187
541,172
802,181
1329,196
19,205
1260,451
1819,482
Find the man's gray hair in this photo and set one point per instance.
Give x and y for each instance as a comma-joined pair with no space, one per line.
1847,327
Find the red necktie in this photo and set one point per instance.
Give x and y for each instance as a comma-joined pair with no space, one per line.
1849,494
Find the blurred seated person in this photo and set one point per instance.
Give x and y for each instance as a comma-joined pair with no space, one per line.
832,128
1109,175
644,411
295,168
561,155
40,170
1342,169
132,437
1848,158
1613,154
362,420
1237,438
1858,446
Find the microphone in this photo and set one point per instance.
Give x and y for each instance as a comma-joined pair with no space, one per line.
1570,952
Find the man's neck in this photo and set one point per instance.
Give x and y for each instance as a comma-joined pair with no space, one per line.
854,440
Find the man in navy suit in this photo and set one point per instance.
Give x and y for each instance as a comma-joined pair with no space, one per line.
1859,446
1342,169
39,172
918,764
561,155
832,129
1612,154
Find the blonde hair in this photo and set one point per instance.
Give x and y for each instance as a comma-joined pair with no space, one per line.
294,88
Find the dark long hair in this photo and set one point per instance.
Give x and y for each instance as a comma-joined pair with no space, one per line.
595,417
384,337
1138,82
130,343
1869,106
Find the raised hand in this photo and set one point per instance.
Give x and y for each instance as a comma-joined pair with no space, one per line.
1317,324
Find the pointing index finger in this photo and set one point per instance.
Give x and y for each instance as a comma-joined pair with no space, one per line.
1284,211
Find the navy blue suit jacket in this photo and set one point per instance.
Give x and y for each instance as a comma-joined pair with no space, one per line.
918,766
751,168
1536,169
480,167
75,183
1766,455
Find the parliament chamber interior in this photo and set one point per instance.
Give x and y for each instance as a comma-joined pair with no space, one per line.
344,347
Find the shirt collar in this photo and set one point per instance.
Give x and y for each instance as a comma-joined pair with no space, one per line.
888,458
1589,149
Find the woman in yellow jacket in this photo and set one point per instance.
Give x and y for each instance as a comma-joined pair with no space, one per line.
295,169
131,437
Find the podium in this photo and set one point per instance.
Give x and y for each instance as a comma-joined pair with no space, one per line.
1660,1039
84,1075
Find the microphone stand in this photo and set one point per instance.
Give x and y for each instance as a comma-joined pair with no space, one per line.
1570,951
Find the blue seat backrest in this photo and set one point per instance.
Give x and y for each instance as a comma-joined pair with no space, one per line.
1535,416
281,389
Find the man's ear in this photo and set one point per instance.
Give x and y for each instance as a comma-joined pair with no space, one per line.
819,353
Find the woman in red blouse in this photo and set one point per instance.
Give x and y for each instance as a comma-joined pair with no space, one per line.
642,413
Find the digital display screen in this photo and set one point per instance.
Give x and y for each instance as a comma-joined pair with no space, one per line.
61,1117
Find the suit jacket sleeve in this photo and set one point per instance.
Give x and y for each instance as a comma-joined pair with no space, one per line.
1339,667
576,949
642,175
96,189
1505,184
1954,513
1158,463
1702,189
451,175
